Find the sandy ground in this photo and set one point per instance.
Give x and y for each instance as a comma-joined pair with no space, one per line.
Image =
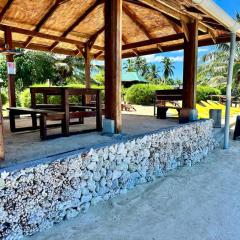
25,146
197,203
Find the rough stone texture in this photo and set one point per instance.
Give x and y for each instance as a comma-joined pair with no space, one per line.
33,199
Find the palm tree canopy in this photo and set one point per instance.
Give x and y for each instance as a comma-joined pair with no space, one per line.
168,67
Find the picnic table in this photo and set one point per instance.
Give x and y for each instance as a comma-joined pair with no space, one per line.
64,111
222,99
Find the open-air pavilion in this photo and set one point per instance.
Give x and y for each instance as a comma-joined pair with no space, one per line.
113,30
108,30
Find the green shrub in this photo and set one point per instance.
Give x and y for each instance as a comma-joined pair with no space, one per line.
4,98
143,94
203,92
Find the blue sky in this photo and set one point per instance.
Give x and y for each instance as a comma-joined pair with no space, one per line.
230,6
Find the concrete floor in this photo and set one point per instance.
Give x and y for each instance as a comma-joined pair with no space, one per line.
25,146
197,203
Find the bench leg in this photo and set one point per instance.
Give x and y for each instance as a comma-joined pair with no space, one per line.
12,121
161,113
43,127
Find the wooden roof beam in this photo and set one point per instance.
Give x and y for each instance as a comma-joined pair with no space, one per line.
49,13
153,41
5,9
46,36
78,21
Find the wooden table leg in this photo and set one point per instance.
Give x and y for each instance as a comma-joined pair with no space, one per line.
98,112
12,121
43,126
161,113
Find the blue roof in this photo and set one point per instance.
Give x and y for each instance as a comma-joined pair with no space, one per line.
132,77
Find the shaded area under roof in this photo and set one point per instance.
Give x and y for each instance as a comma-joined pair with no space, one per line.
66,26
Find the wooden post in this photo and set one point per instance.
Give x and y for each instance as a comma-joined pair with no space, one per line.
87,66
11,77
190,65
2,152
87,58
113,57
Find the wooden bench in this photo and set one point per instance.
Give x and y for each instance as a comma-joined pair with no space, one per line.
44,115
164,96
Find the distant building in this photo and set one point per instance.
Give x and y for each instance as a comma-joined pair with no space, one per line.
130,78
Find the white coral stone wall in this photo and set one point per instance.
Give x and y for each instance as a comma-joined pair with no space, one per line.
35,198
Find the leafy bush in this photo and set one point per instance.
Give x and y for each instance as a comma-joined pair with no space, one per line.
203,92
143,94
4,98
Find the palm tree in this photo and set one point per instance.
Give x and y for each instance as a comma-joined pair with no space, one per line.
141,66
168,68
213,70
153,74
129,65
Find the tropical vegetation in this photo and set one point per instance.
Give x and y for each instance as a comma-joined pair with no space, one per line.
213,68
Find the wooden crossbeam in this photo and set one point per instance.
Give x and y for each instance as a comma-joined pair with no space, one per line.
5,8
77,22
154,41
46,36
49,13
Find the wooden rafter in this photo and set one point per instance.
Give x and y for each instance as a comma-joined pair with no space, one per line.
77,22
139,23
172,21
185,30
49,13
213,35
98,54
5,8
94,37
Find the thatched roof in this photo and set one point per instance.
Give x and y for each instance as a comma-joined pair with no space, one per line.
64,26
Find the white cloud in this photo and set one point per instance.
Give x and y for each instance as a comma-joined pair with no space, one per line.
203,49
155,58
97,62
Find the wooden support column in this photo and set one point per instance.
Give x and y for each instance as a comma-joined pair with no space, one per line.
87,67
190,65
2,152
113,58
11,77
